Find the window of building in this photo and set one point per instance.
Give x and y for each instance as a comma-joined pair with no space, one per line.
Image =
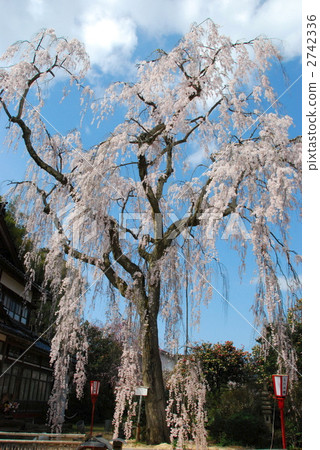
14,308
25,384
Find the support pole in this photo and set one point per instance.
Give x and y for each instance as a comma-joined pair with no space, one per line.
139,415
92,416
283,431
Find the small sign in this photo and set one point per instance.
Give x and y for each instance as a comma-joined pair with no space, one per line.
142,391
284,385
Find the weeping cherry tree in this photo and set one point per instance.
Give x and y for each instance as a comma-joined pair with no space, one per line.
121,211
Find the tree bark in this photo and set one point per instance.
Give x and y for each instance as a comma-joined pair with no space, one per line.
155,403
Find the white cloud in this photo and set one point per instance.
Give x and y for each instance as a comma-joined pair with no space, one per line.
110,28
36,8
289,283
286,284
281,20
109,41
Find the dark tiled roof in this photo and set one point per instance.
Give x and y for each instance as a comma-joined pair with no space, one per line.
19,272
25,334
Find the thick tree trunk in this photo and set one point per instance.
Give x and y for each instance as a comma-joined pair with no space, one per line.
157,430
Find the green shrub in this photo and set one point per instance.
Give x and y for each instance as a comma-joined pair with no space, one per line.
241,428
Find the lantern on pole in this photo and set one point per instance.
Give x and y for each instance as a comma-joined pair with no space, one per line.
280,386
94,390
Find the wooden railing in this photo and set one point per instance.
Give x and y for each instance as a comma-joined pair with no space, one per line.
39,441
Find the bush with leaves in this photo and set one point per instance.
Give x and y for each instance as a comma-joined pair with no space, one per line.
241,428
235,416
222,363
234,400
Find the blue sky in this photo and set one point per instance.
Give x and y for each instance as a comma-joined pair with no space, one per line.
119,33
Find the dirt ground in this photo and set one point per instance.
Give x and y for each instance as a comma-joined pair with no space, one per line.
139,446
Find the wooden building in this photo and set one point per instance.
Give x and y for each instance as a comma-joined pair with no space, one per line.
25,373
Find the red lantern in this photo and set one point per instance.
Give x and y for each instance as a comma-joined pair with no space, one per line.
280,386
94,390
